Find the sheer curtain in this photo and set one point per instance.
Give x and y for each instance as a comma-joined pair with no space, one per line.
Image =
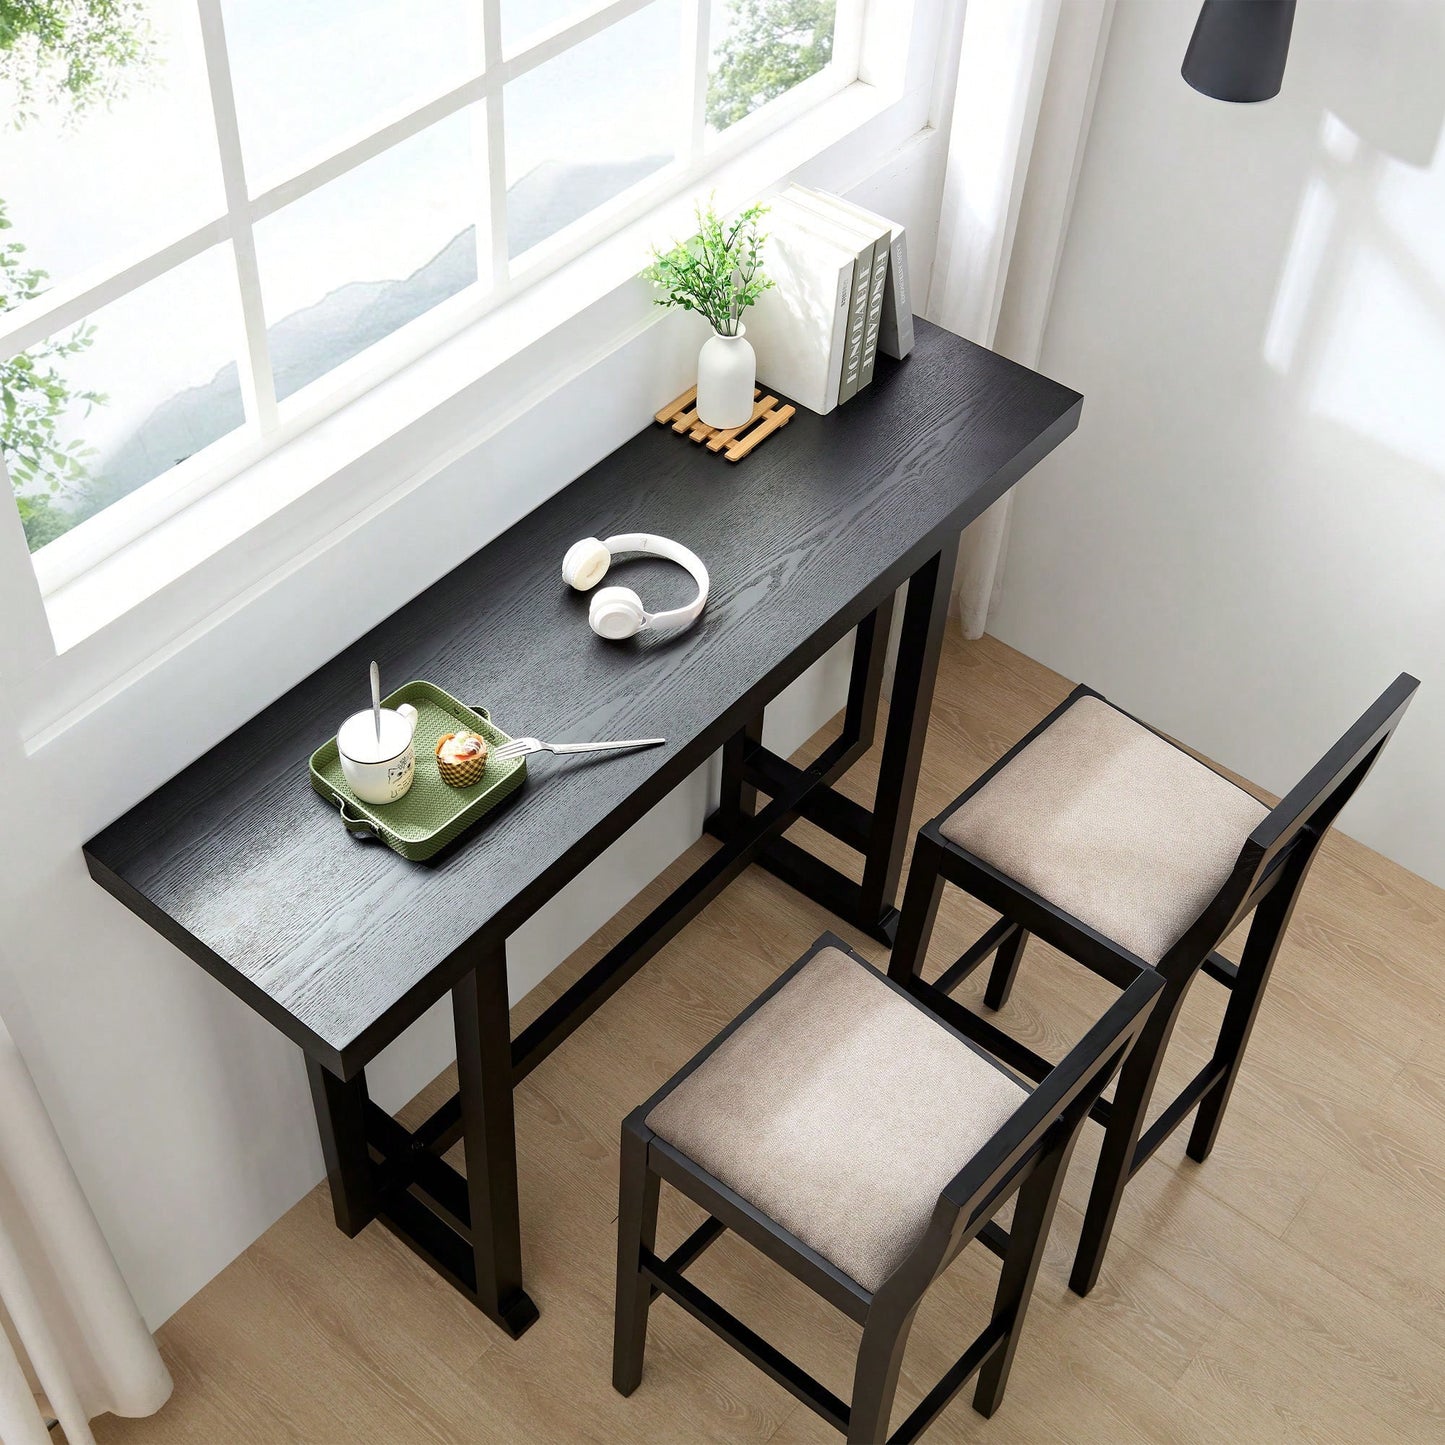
74,1344
1027,75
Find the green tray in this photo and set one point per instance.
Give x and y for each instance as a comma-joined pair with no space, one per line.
432,813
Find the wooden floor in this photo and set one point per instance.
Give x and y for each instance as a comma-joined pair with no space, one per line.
1291,1288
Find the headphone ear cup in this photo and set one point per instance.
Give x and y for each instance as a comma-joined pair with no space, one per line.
616,613
585,564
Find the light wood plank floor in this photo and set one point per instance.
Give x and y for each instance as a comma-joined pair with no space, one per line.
1291,1288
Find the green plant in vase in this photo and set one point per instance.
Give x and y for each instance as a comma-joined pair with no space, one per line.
718,273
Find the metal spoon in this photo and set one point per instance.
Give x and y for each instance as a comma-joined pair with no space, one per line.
376,700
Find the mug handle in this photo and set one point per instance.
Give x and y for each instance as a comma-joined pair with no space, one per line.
406,710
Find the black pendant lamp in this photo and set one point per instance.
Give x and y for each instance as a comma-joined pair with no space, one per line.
1238,48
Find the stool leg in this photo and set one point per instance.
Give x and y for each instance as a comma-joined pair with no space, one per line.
636,1231
875,1377
1261,948
1033,1214
1126,1122
920,910
1005,969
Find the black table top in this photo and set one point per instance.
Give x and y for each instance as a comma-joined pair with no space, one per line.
341,943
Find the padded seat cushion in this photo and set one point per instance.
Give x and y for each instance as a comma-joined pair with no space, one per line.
1112,824
840,1110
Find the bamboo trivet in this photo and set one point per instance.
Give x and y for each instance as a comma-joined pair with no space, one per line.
734,442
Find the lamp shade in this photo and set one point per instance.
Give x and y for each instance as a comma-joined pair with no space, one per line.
1238,48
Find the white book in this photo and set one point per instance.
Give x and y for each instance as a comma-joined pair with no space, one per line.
867,224
799,326
895,328
866,240
826,230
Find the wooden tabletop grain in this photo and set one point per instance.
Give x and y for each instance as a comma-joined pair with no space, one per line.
341,943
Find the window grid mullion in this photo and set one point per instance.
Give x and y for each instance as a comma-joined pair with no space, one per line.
65,305
71,302
496,145
696,47
258,385
849,18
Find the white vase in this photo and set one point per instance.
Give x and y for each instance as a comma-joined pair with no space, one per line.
726,373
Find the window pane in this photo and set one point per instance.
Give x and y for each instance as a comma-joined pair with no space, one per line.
760,50
524,20
309,73
585,126
95,412
368,252
134,165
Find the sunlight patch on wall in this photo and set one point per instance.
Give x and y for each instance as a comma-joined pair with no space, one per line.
1382,352
1300,276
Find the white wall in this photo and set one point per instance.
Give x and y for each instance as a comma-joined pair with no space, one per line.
1245,540
188,1118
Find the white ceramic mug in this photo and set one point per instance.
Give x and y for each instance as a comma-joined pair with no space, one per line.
378,770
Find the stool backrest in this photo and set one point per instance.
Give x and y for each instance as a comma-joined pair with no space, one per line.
1057,1103
1295,827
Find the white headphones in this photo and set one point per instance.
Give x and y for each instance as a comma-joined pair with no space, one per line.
617,612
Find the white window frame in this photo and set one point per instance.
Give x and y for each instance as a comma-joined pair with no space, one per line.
287,537
270,425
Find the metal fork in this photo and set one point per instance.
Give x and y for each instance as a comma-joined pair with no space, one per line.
523,747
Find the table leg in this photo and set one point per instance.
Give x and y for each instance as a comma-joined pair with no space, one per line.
484,1080
738,799
341,1121
925,615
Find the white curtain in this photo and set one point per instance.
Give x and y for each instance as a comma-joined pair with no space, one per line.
74,1345
1027,75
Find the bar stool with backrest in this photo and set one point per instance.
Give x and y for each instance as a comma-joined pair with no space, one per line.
848,1134
1122,850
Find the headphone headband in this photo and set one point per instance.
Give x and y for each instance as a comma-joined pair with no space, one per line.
617,612
673,552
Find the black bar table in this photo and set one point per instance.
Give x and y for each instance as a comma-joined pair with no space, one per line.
342,944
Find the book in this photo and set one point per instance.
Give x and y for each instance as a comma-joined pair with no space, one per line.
895,325
882,230
798,328
895,322
867,240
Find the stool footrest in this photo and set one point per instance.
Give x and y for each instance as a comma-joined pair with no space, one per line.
977,953
968,1364
691,1247
748,1343
1017,1056
1176,1113
994,1238
1221,970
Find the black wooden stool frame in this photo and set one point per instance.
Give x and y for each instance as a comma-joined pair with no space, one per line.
1027,1157
1266,880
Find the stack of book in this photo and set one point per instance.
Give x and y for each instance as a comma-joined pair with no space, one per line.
841,297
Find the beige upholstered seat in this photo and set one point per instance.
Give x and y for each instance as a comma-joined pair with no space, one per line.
840,1110
1112,824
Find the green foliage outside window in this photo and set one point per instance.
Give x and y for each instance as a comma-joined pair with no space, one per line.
771,46
68,53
